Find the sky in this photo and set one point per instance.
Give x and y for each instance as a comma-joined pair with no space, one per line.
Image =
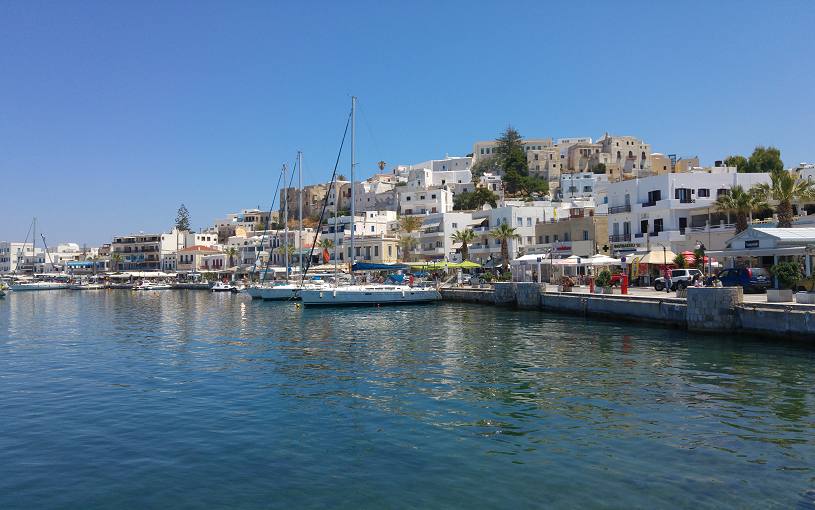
114,113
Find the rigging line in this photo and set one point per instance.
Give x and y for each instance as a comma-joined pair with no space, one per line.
266,226
286,220
325,201
370,131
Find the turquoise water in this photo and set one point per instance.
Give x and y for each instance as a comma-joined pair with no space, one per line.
184,399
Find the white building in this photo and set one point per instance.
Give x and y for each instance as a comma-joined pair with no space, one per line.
521,217
673,210
11,251
584,185
434,237
422,201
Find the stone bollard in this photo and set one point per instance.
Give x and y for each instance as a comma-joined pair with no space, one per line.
713,309
528,295
505,293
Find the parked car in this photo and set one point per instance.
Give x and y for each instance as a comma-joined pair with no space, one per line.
680,278
751,279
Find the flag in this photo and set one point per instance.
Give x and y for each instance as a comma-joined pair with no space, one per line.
326,256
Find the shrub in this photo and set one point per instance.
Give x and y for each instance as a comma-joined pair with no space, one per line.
787,273
603,279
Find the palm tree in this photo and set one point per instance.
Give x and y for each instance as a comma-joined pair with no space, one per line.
407,244
116,258
504,233
465,237
231,252
409,224
325,244
741,203
785,189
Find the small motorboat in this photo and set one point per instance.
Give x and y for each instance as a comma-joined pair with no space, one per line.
224,287
153,286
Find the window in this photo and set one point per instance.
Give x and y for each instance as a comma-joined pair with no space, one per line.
529,222
722,191
390,251
566,237
433,196
529,239
407,198
519,221
438,244
554,238
455,225
658,226
585,235
547,239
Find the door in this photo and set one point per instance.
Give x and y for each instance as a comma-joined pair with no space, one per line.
683,224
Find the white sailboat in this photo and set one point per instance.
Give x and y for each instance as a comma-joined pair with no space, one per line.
37,285
353,294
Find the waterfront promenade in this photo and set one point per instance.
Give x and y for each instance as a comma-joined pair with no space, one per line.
703,310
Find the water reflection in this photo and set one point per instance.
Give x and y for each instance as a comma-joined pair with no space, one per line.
361,403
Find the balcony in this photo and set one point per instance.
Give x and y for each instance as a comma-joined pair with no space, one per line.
619,209
649,204
620,238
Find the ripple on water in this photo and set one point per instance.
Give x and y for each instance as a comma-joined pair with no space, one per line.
150,399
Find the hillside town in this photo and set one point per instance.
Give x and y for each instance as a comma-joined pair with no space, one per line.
526,209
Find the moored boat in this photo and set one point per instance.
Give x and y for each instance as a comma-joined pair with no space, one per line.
369,295
224,287
20,287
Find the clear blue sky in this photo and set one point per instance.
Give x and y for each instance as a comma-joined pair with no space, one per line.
114,113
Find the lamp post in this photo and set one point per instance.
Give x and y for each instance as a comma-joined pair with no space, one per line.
539,259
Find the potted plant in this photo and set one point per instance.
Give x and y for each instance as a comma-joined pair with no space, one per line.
602,285
787,275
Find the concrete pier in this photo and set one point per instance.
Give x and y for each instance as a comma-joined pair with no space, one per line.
706,309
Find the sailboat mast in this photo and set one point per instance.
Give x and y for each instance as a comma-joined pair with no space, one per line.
300,208
34,247
353,180
336,241
286,223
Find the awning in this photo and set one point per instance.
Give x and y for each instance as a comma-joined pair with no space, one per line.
658,257
760,252
366,266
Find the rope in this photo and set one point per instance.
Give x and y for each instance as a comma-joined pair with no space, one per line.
325,200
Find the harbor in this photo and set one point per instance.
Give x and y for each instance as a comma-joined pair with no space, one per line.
113,396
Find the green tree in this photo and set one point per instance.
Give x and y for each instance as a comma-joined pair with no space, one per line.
326,243
116,259
766,159
504,233
465,237
740,162
342,177
784,189
182,218
409,224
407,244
484,165
474,199
741,203
680,262
599,168
762,160
231,252
512,161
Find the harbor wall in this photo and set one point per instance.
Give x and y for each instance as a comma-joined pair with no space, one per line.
706,310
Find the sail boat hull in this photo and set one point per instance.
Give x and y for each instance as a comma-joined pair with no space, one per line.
363,295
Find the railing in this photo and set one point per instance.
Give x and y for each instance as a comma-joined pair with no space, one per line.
649,204
619,238
619,209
